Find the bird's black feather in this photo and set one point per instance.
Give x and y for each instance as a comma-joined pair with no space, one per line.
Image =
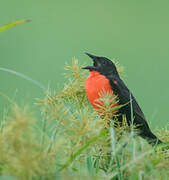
107,68
123,93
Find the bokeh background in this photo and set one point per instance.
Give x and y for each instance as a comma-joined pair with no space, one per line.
135,33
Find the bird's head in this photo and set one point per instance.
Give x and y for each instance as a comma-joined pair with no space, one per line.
102,65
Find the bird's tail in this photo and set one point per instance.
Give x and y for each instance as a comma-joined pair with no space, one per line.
151,138
154,141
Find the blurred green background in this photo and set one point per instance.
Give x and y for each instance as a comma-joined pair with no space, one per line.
135,33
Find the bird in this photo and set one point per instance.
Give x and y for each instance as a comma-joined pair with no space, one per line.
104,76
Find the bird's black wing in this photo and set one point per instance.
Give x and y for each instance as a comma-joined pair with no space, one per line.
123,94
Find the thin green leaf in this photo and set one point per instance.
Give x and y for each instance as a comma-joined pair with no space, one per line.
15,23
25,77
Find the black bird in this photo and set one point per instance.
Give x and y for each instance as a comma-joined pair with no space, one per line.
104,75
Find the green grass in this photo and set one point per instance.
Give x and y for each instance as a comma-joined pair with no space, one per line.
71,141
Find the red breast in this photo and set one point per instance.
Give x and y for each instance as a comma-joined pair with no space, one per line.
95,85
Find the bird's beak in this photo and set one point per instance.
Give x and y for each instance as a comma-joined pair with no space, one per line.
94,58
90,68
91,56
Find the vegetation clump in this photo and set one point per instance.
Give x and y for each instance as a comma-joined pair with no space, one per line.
71,141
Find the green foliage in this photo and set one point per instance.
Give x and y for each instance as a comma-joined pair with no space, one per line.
71,141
